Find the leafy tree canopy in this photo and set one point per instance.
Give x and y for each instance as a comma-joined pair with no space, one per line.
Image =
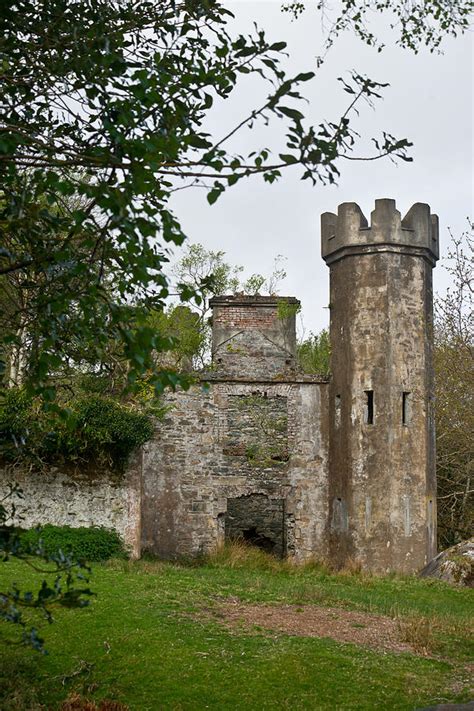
103,110
416,23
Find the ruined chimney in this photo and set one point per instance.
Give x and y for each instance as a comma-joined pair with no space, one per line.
253,336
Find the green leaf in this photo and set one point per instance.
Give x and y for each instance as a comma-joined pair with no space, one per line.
215,193
288,158
292,113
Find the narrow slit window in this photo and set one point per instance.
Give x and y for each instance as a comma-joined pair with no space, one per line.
405,408
337,411
369,407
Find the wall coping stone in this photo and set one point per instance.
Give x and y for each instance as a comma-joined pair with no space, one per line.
299,378
253,300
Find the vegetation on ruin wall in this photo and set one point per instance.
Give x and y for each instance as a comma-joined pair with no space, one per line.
169,651
97,430
314,353
266,431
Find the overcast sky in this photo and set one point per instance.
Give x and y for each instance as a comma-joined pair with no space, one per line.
429,101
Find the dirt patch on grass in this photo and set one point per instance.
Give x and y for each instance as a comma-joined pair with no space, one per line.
376,631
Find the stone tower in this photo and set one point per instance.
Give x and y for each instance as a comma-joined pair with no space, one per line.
382,482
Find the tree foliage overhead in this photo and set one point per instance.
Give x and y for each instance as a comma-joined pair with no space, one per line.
416,23
103,111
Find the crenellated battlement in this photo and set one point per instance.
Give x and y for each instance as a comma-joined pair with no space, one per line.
349,232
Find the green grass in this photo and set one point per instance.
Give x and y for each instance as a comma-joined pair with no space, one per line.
139,644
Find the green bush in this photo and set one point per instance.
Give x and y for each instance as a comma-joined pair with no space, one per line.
98,429
314,354
91,544
18,423
103,430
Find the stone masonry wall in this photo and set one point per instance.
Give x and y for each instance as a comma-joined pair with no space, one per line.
199,460
64,499
257,429
296,465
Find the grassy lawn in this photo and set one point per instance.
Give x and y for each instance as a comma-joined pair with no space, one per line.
145,641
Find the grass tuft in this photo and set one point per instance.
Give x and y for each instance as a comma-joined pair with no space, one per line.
418,633
75,702
239,554
242,555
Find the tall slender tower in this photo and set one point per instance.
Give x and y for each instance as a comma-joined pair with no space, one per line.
382,453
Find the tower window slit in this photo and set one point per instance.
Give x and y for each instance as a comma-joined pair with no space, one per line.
405,408
337,411
369,407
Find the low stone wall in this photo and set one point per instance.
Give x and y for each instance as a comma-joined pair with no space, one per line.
74,499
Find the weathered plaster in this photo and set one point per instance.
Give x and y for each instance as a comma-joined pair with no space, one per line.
63,498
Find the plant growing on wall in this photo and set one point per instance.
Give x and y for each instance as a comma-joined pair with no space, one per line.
258,429
314,353
97,430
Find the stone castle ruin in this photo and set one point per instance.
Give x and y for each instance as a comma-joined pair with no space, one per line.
301,466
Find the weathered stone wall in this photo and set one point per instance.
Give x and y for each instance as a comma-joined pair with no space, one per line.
201,458
66,499
299,466
257,428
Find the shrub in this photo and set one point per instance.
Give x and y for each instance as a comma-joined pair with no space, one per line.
98,430
91,544
104,431
18,423
314,354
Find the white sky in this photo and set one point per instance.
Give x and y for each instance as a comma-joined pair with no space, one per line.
429,101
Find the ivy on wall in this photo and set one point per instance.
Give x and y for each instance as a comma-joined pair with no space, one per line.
97,430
